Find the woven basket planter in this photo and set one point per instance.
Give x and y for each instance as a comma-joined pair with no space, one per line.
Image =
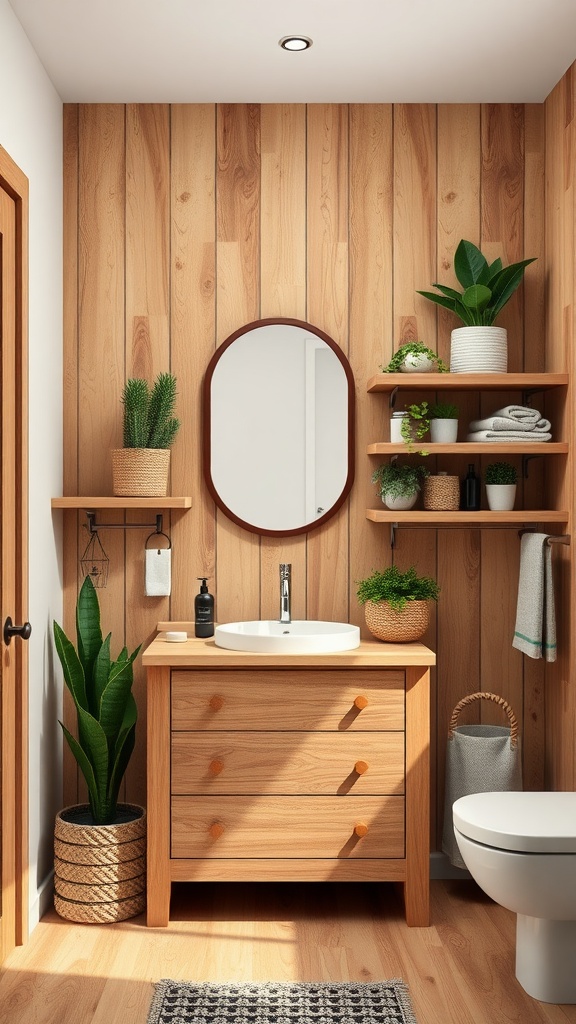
441,493
99,870
140,472
397,627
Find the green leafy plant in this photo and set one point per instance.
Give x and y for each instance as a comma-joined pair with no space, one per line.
148,413
500,473
444,411
413,348
415,425
398,481
397,588
105,707
486,287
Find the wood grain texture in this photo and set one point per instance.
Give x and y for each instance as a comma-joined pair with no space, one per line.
298,763
284,826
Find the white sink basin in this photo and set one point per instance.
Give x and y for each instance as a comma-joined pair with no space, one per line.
273,637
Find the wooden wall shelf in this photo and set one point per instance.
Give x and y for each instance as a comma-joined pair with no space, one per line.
472,448
387,382
482,518
121,503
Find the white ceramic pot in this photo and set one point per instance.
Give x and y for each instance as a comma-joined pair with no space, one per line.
501,497
400,504
479,350
443,431
417,363
396,427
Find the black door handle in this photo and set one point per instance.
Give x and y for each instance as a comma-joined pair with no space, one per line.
10,630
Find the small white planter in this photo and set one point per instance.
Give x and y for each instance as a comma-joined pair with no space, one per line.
479,350
443,431
501,497
400,504
417,363
396,427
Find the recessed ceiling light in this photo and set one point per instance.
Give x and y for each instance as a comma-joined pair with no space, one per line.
295,42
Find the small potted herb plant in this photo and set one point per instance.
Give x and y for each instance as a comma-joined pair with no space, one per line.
141,467
414,357
500,479
398,485
396,603
479,346
443,423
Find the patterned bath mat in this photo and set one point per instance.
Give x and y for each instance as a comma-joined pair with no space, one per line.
383,1002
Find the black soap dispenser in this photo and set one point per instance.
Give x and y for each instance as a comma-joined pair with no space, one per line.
203,611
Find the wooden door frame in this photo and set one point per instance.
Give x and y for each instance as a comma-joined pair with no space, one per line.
15,183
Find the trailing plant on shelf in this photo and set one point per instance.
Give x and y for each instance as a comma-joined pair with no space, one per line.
414,352
398,481
148,413
397,588
415,425
500,473
486,287
105,707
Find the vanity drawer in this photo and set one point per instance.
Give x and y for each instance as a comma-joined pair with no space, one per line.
287,827
287,762
288,700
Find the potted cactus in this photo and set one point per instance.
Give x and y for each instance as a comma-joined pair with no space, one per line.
141,467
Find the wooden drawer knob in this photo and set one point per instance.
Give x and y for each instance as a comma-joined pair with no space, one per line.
361,767
216,829
216,702
361,702
361,829
216,766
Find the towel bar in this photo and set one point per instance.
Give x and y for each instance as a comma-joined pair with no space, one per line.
561,538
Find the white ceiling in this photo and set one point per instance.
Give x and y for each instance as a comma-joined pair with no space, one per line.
364,51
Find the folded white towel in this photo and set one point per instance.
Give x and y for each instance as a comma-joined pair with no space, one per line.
535,629
521,413
158,572
508,435
501,421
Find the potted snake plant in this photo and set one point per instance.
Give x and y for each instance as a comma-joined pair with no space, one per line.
100,847
141,467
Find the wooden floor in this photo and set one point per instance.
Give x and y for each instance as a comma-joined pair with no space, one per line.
459,971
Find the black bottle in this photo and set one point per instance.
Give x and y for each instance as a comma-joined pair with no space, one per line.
204,611
470,491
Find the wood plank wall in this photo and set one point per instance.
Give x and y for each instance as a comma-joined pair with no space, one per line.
184,222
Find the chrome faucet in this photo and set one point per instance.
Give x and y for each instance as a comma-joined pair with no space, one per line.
285,570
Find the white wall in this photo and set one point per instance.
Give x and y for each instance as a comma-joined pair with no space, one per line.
31,133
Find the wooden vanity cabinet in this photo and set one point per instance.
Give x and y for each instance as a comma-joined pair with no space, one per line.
308,768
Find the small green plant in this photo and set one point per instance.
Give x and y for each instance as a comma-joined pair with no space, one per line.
486,287
444,411
398,481
148,413
413,348
397,588
105,707
500,473
415,425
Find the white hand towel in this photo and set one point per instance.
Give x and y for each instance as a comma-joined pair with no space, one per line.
500,421
522,436
535,629
158,572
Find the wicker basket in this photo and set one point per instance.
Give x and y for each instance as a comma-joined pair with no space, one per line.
140,472
99,870
441,493
397,627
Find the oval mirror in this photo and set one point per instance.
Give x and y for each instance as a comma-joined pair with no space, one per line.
278,416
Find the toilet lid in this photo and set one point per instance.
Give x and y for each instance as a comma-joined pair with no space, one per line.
526,822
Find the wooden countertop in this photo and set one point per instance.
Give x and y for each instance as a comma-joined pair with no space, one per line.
194,653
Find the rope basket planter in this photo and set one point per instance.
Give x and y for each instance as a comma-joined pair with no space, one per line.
140,472
441,493
385,623
99,870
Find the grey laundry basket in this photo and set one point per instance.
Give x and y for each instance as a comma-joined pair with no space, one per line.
479,759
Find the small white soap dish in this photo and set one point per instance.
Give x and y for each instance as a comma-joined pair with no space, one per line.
175,637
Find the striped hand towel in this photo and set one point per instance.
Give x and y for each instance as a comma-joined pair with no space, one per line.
535,629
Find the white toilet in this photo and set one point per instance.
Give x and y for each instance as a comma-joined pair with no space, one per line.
521,850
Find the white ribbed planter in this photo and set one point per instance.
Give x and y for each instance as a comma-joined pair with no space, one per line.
443,431
479,350
501,497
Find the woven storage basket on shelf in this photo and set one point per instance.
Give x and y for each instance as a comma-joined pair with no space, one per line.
441,493
140,472
397,627
99,870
